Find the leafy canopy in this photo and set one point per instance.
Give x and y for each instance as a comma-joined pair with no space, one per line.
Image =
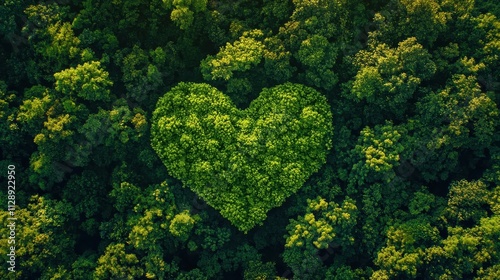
242,162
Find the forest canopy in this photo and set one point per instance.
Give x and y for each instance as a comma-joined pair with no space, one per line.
158,139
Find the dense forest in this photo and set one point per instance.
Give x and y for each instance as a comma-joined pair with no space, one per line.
250,139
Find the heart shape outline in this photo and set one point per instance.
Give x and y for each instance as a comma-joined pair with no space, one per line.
242,162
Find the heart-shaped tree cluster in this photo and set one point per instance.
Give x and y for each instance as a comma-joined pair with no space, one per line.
242,162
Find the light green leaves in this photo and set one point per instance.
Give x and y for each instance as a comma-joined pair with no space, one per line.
324,224
181,225
183,13
376,153
467,201
116,263
242,162
239,56
389,77
88,81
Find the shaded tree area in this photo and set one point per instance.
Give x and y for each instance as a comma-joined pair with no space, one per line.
159,139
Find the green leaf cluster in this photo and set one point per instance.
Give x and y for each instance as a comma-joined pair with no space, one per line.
243,163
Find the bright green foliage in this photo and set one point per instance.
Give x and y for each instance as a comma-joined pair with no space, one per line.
53,140
325,224
423,19
388,169
479,111
465,251
490,273
403,252
416,250
67,135
389,77
181,225
183,13
32,111
149,213
64,43
156,211
242,163
116,263
51,38
303,41
88,81
41,236
494,200
490,25
467,201
246,52
42,16
471,115
148,229
375,154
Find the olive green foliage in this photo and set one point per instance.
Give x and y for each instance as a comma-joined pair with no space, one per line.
388,78
417,243
422,19
376,154
330,228
43,235
467,202
242,162
181,225
259,271
242,139
117,264
183,11
326,225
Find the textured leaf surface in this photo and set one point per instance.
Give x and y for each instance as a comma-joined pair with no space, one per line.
242,162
